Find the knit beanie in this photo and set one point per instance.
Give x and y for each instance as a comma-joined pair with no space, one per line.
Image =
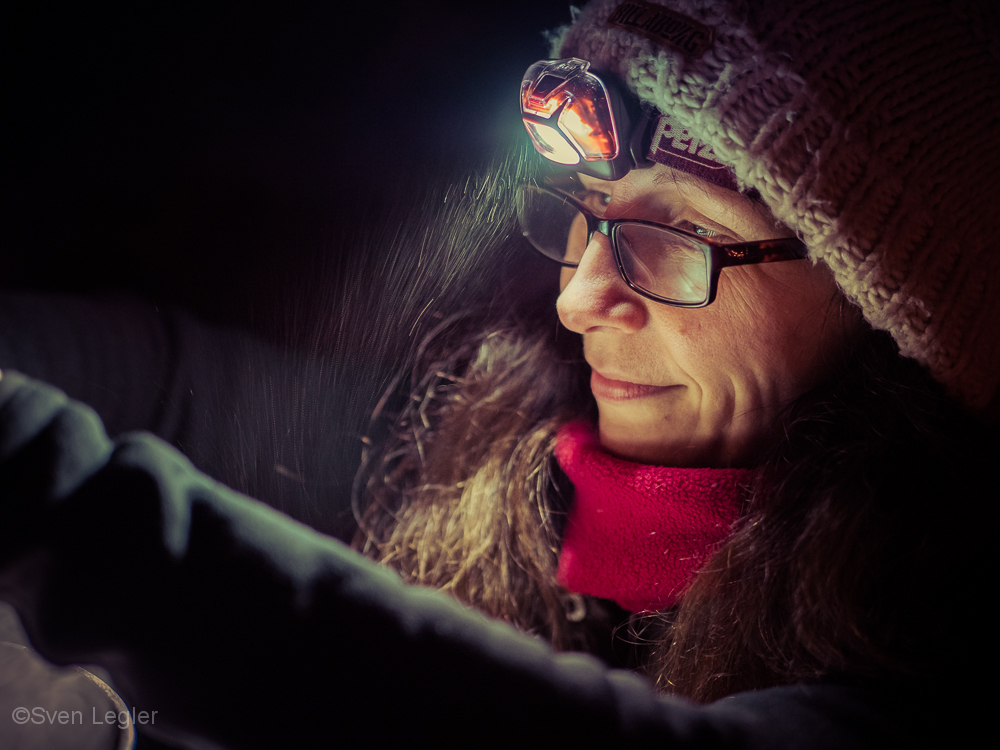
869,127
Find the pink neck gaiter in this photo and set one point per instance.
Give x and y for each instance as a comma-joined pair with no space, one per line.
637,534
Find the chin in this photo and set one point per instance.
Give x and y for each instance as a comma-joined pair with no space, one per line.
636,440
635,432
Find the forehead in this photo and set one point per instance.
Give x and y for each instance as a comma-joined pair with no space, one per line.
662,188
660,179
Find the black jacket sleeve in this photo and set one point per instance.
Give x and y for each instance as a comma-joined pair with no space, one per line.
245,629
281,425
139,366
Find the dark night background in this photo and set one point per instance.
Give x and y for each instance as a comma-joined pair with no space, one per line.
207,156
268,170
223,159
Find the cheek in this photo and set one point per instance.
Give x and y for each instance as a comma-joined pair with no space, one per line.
705,344
789,326
744,345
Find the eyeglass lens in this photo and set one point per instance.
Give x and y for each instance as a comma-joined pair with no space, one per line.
653,259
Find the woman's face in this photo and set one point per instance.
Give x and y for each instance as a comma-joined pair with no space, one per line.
698,387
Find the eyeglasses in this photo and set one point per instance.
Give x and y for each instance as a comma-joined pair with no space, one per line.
660,262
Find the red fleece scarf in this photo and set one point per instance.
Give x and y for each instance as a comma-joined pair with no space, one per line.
638,534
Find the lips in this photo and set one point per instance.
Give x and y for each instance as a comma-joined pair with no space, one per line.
606,389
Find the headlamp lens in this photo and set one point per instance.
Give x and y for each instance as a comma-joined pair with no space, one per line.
551,144
580,121
578,101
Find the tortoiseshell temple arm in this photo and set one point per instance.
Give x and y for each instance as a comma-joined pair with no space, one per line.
762,251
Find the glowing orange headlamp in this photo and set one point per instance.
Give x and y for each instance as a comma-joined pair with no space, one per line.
575,119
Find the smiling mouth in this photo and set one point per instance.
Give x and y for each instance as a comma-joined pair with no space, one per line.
606,389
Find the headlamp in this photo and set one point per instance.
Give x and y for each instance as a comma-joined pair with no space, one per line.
578,120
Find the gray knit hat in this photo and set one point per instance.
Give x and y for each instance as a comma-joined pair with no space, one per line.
870,127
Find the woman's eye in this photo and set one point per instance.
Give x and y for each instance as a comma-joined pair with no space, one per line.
708,233
595,200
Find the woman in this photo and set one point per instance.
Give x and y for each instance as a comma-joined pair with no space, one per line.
780,372
807,459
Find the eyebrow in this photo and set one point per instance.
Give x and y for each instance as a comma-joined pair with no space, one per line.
671,176
674,176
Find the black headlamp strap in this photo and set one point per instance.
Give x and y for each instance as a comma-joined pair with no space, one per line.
672,145
641,138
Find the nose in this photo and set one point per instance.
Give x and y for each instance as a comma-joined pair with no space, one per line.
595,295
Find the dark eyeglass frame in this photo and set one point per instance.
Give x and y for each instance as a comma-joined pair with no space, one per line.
718,255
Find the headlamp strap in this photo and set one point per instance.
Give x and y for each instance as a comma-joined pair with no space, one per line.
675,147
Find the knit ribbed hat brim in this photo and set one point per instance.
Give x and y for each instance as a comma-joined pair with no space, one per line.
869,127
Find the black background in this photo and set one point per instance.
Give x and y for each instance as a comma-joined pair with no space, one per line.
206,156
